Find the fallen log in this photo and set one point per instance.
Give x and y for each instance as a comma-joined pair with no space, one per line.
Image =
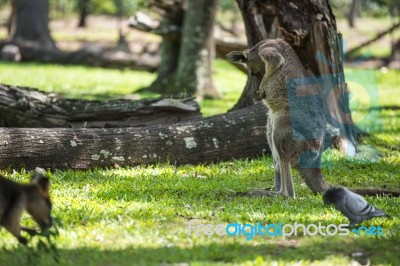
27,107
238,134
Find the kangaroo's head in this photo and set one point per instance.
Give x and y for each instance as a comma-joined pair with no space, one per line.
39,204
249,58
265,54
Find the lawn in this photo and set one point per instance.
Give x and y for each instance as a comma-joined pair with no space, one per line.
140,215
98,83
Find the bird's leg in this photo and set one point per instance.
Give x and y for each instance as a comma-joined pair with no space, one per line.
352,225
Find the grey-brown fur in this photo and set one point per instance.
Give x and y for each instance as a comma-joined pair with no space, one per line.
296,121
15,198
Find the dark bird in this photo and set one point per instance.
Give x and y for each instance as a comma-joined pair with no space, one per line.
351,205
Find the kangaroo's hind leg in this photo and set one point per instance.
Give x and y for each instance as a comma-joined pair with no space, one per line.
277,177
314,179
275,156
286,149
277,174
287,188
309,168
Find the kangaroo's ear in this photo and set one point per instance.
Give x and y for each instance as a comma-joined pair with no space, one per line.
270,55
43,183
237,57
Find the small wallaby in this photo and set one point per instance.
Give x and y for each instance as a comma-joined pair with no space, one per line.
296,120
33,197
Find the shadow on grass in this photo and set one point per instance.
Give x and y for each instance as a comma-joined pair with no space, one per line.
377,250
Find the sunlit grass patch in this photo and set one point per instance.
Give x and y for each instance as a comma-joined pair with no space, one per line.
75,81
142,210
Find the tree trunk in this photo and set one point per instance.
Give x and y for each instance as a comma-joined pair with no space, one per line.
30,25
193,75
187,49
238,134
169,50
84,12
352,13
310,28
11,17
24,107
170,31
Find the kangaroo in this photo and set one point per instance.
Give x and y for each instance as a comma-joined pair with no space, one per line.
33,197
296,120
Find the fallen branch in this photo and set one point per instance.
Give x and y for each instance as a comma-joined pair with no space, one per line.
26,107
374,39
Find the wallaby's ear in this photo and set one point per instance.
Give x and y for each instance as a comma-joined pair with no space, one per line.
237,57
43,183
270,55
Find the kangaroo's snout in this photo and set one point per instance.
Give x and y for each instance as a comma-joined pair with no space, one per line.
46,223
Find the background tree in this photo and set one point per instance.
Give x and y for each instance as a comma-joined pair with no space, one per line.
352,12
172,13
193,74
187,48
83,6
30,25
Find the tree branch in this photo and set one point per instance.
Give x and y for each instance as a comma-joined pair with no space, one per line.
374,39
26,107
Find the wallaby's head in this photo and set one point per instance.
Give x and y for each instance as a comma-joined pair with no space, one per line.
39,204
251,59
256,58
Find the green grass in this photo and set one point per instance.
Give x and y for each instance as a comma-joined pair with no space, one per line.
116,216
75,81
139,215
